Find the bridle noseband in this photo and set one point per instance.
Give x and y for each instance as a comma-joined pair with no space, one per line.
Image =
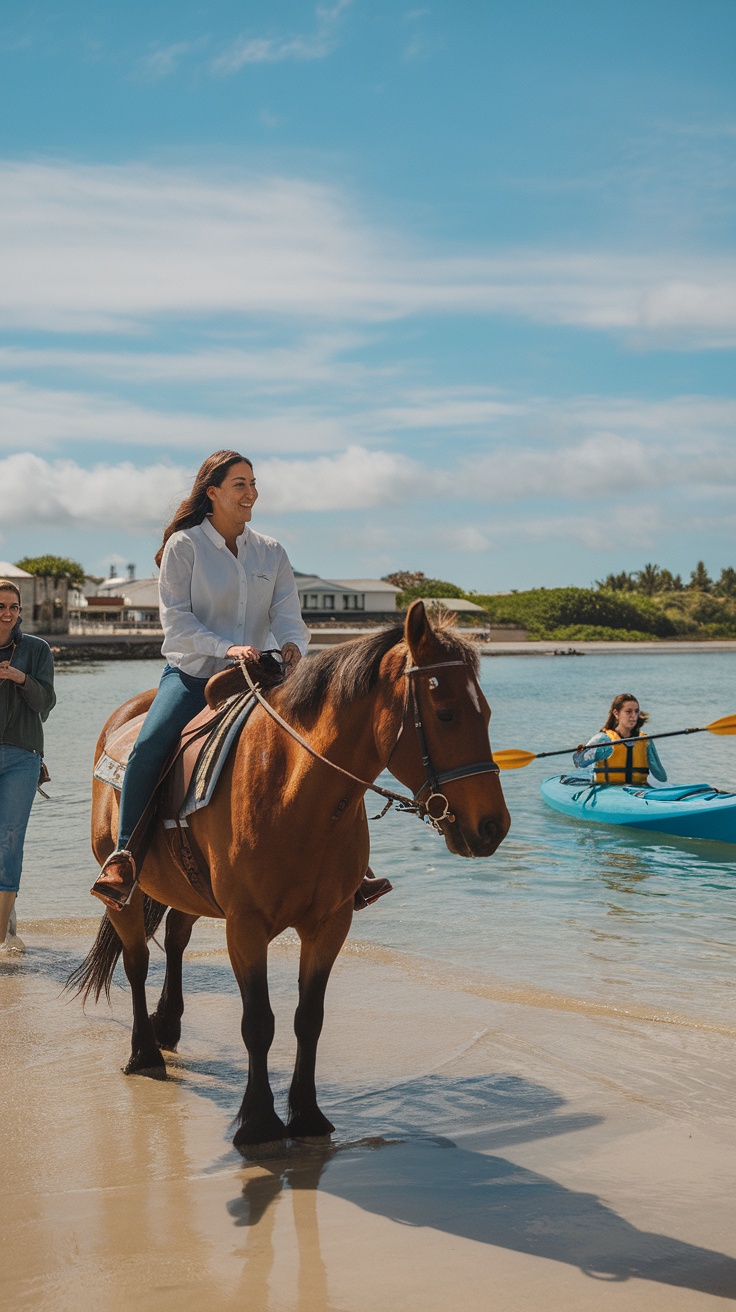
435,808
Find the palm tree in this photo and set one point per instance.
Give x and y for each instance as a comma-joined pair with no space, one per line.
615,583
648,580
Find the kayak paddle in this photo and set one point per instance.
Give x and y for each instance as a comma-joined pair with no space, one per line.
513,758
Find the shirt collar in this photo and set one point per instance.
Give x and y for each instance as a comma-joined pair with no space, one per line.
217,538
212,533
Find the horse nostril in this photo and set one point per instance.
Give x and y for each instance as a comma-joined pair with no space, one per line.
489,829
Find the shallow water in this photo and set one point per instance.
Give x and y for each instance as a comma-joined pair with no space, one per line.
563,914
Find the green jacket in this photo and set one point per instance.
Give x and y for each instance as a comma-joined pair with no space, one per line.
22,709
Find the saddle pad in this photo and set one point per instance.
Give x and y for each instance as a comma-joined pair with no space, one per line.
110,769
191,782
210,761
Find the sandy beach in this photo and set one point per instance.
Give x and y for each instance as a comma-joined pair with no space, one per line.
493,1148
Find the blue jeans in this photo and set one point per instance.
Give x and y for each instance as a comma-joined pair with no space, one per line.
19,774
179,698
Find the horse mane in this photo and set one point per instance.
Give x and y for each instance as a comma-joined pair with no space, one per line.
349,671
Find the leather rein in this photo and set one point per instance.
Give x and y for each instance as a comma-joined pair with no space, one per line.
435,808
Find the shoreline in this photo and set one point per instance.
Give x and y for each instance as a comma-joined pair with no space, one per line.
576,1162
68,648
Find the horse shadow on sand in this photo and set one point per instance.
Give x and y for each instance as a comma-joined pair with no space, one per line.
422,1177
467,1190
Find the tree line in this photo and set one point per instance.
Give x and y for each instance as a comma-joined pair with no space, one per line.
652,581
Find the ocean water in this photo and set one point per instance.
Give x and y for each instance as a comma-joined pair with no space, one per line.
564,914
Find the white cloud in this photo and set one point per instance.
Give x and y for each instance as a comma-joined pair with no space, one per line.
37,491
313,360
164,61
275,50
355,479
639,526
44,418
117,249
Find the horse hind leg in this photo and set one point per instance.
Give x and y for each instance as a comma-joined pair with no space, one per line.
129,924
166,1019
318,955
258,1121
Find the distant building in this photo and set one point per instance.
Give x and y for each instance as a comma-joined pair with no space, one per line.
45,600
346,599
130,602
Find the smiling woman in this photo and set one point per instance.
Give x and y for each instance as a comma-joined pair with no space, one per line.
224,591
26,697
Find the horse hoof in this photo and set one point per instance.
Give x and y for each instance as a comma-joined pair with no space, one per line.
140,1065
166,1034
259,1130
310,1126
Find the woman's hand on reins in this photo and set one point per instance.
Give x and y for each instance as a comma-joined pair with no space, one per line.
291,655
243,654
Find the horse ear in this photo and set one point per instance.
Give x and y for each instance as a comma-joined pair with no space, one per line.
417,629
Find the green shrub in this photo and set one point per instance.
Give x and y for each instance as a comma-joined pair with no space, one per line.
429,588
545,610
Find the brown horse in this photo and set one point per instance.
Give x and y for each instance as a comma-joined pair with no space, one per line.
286,840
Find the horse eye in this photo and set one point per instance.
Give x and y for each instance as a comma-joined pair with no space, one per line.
444,715
433,683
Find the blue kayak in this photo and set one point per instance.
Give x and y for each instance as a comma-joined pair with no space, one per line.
688,810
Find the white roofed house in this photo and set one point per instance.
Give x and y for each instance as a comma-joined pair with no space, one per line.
44,599
346,600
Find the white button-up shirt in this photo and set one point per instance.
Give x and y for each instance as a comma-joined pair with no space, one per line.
210,600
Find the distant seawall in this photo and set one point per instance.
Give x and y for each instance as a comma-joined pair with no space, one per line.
147,646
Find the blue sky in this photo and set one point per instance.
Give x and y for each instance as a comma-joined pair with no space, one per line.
459,277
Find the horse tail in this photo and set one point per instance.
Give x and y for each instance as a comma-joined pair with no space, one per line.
96,971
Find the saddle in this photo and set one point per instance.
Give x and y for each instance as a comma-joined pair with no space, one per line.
189,777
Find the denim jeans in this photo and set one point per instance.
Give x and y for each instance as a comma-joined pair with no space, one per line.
179,698
19,773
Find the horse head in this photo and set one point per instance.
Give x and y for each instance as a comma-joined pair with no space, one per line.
444,751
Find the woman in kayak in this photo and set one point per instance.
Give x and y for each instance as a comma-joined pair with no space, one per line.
615,761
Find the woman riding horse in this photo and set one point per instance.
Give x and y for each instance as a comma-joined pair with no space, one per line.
224,590
285,837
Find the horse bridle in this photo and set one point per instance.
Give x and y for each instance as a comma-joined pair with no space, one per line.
434,780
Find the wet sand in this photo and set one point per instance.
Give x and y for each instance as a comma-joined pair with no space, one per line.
489,1152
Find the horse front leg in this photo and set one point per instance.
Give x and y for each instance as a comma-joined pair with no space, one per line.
166,1019
318,954
258,1122
129,925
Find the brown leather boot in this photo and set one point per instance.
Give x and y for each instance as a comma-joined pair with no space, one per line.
370,890
116,881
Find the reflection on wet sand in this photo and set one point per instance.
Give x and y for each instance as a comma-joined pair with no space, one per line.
437,1184
485,1153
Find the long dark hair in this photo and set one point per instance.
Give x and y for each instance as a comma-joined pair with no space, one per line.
616,705
197,505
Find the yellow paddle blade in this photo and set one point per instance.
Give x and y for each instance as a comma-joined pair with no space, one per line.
723,726
513,758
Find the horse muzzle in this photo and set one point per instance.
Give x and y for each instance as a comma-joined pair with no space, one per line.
479,841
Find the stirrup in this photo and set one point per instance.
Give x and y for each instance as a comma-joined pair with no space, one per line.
108,893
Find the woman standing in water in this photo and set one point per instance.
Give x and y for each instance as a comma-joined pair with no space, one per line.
26,697
224,591
616,761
